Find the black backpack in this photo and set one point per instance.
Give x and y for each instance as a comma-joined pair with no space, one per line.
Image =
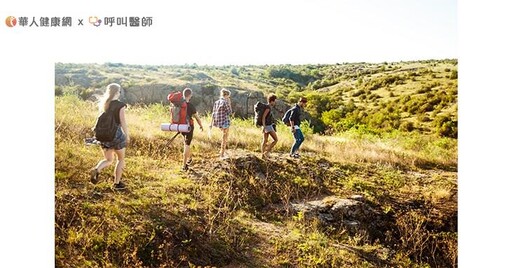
286,117
106,127
259,108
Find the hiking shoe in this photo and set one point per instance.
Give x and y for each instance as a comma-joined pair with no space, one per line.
94,175
184,168
119,186
189,161
295,155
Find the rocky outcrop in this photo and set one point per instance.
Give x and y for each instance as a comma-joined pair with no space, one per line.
206,90
351,211
353,214
242,100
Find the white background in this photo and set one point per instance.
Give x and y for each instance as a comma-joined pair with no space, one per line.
259,32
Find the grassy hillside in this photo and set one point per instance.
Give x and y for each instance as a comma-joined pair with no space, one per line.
415,96
248,212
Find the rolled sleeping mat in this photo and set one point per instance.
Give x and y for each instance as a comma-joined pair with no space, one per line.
175,127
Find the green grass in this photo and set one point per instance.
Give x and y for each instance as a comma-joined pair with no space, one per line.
379,87
237,212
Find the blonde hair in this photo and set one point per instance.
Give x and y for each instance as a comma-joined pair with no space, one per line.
224,92
110,93
187,92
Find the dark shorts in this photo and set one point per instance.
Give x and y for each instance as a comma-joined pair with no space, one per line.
118,143
188,136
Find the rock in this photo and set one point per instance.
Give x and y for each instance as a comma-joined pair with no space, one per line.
154,90
357,197
260,176
325,217
347,212
352,226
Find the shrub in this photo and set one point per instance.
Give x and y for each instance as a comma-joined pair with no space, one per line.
358,92
427,107
333,117
86,93
454,74
412,107
284,72
318,103
59,91
374,97
406,126
424,89
446,127
422,117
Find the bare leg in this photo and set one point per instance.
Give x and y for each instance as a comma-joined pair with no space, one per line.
264,144
186,154
108,158
225,136
118,171
274,142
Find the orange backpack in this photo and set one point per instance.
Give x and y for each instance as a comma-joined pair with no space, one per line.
178,108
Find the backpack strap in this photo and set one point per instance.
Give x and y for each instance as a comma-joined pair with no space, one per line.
187,118
110,107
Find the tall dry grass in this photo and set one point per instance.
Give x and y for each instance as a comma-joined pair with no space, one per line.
169,218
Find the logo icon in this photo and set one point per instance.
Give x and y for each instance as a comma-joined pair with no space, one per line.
94,21
10,21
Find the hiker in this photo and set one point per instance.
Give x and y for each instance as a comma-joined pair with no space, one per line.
187,137
295,126
110,102
269,127
220,117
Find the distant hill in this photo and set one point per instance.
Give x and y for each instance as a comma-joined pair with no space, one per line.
376,97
